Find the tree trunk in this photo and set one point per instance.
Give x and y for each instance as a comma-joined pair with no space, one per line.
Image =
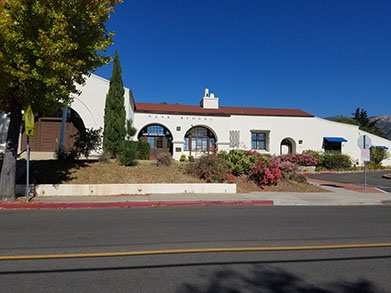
8,171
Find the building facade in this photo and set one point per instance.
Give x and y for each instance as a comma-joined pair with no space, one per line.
196,129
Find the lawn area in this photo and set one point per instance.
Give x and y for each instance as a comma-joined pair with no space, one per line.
95,172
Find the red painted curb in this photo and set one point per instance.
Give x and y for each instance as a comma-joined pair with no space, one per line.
96,205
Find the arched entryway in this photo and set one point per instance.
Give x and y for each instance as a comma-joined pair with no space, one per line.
48,132
199,139
158,137
287,146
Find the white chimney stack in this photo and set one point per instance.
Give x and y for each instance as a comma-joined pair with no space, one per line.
209,102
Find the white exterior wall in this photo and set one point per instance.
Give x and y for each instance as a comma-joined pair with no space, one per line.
90,104
311,130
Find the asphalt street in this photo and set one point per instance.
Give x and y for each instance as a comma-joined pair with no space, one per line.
374,179
42,232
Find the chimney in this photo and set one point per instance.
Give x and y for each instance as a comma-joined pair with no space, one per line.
209,102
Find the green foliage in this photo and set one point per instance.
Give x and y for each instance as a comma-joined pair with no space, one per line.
144,150
210,167
183,158
89,141
191,158
361,119
317,155
164,159
128,153
378,155
115,116
48,46
330,160
239,161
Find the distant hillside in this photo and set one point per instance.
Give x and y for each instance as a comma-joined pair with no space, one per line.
383,123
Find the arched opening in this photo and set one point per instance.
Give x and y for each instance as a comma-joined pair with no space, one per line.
199,139
158,137
287,146
48,131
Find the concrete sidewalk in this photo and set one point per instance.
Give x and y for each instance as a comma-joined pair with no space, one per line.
335,197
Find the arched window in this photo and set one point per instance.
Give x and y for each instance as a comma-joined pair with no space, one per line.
158,137
199,139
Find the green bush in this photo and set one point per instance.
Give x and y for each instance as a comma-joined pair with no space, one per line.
210,167
336,161
191,158
239,162
330,160
378,155
128,154
317,155
87,142
183,158
163,159
144,150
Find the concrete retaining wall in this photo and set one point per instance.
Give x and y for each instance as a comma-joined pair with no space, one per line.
118,189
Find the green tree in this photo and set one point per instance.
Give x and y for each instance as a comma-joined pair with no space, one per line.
115,116
46,47
378,155
128,155
365,123
361,119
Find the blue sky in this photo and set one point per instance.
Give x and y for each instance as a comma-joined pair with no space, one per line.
325,57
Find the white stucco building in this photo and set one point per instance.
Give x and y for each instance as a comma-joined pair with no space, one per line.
193,129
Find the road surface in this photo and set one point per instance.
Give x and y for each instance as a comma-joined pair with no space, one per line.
374,179
147,229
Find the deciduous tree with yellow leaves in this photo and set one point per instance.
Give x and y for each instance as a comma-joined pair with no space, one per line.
46,47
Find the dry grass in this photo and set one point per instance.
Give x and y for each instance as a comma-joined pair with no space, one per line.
94,172
244,185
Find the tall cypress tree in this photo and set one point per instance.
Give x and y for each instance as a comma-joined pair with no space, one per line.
115,116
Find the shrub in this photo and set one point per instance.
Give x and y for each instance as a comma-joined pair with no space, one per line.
378,155
336,161
211,168
163,159
88,141
317,155
191,158
240,162
128,153
183,158
265,172
67,156
294,176
287,166
299,159
144,150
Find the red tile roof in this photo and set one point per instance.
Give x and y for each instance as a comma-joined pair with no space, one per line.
221,111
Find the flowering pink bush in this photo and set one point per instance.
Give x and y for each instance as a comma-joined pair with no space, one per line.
287,166
298,159
266,172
